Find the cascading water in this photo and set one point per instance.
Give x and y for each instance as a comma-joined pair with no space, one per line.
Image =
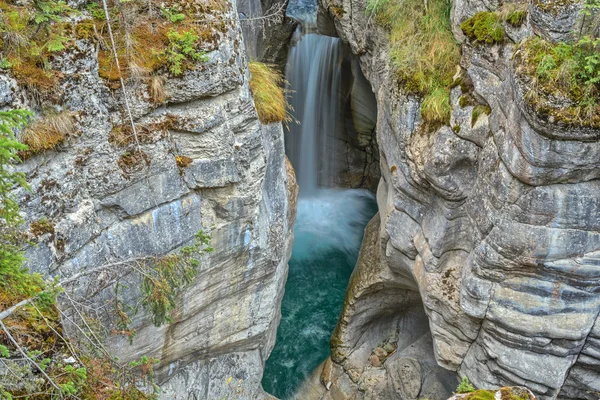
313,73
330,222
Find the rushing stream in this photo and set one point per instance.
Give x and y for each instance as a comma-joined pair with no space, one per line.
330,222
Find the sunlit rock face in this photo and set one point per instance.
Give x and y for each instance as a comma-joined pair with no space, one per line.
495,226
236,189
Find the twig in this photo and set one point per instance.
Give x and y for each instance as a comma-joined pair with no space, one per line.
57,334
6,313
86,325
114,50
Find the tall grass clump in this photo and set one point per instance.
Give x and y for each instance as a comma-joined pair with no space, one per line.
266,85
423,50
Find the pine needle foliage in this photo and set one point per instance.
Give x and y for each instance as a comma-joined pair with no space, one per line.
15,282
266,84
167,276
423,50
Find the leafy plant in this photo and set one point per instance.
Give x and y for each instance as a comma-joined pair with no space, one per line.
172,15
565,71
96,11
181,51
465,386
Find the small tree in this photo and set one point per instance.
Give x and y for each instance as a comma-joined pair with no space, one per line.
465,386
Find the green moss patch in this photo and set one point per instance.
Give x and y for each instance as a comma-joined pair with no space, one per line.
483,28
481,395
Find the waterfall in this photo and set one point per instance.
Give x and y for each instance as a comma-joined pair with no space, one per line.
313,73
330,222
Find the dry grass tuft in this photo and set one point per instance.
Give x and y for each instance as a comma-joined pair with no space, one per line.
266,84
157,90
49,132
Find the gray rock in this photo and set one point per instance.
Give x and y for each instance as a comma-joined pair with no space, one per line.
238,189
493,228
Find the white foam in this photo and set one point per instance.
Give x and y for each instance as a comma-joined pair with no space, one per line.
332,219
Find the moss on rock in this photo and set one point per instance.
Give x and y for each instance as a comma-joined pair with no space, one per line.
484,27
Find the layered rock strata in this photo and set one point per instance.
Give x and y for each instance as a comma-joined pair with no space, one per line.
493,224
204,162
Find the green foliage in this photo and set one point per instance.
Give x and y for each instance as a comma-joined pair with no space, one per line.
516,17
465,386
172,15
96,11
167,276
483,27
30,35
11,258
423,50
181,51
570,72
50,11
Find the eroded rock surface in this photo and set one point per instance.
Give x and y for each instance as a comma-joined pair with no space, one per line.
493,224
107,203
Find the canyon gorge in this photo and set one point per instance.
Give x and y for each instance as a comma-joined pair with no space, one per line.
391,233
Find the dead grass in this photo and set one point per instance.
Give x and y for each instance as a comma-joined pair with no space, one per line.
157,89
49,132
266,84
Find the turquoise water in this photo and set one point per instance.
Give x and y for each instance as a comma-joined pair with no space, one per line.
328,234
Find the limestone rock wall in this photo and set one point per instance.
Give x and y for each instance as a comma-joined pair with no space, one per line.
494,225
108,204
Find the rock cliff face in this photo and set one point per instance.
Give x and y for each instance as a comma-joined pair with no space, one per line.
493,227
106,205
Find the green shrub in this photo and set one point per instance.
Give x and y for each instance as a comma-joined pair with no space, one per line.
483,27
569,72
423,51
181,51
465,386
